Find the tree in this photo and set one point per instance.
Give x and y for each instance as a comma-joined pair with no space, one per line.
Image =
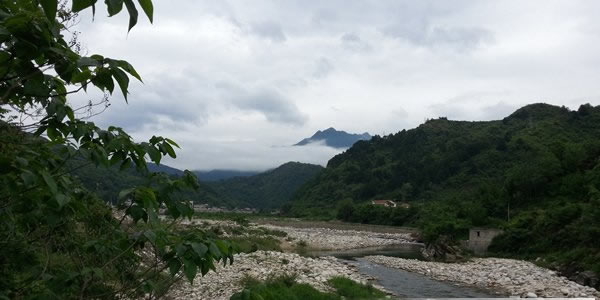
345,209
57,240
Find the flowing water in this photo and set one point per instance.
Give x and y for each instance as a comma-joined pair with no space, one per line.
402,283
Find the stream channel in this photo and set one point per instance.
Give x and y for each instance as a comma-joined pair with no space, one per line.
402,283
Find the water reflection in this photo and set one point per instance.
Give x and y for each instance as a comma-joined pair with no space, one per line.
408,250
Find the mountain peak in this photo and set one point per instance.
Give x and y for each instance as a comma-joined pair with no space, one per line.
334,138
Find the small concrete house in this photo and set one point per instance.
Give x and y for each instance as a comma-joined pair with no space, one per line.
386,203
481,238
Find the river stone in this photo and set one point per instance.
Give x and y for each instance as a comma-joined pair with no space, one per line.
531,295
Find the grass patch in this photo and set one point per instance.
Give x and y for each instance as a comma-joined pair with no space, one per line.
286,287
353,290
254,243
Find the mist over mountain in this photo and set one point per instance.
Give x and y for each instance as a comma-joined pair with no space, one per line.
334,138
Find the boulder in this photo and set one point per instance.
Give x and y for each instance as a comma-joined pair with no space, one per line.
531,295
443,249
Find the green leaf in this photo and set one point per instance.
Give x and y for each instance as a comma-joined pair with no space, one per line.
147,196
170,141
36,87
114,7
129,69
88,62
154,154
205,267
150,235
174,266
28,178
214,251
133,13
190,269
82,76
49,7
126,164
61,200
122,79
125,193
200,249
167,148
148,8
49,181
104,80
79,5
223,247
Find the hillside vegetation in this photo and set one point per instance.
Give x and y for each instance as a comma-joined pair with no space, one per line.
270,189
536,173
267,190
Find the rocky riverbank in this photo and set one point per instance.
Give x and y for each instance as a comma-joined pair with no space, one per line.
261,265
336,239
513,277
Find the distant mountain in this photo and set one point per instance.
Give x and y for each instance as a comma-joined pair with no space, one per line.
108,182
334,138
152,167
270,189
216,175
213,175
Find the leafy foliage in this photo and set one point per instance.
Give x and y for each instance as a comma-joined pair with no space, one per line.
57,239
535,173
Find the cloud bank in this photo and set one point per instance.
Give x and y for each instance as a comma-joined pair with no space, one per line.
234,81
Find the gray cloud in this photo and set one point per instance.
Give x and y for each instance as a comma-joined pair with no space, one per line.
422,34
274,106
323,68
476,106
269,30
352,41
228,79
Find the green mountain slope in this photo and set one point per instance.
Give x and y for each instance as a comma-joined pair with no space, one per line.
108,182
270,189
540,166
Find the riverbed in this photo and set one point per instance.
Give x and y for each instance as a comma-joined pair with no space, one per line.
390,261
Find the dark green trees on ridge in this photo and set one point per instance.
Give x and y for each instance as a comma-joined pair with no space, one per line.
535,173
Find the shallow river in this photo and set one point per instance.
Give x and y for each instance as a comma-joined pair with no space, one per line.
402,283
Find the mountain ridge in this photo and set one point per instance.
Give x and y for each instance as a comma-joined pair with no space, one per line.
535,174
334,138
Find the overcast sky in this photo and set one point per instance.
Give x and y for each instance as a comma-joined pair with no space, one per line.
236,82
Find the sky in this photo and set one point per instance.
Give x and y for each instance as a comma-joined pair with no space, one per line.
236,83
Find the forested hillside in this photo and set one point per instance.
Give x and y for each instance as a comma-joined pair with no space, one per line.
108,182
216,175
270,189
536,173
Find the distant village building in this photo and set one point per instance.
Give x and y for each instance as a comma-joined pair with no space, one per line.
481,238
404,205
386,203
